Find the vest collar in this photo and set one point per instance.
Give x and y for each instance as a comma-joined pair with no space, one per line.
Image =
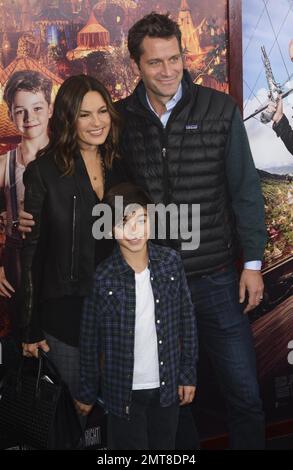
137,102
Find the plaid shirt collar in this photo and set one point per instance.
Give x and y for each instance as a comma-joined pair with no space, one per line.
154,252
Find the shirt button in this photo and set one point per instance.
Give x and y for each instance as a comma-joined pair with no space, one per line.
110,292
172,278
157,301
161,363
160,342
163,383
158,321
152,278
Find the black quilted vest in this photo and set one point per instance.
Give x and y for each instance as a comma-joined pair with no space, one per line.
185,164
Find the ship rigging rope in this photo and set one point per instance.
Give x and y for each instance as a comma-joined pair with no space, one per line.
252,92
276,37
265,2
255,28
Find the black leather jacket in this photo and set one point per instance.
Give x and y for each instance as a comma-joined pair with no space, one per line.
58,257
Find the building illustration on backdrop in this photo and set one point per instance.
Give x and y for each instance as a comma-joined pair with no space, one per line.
92,37
64,37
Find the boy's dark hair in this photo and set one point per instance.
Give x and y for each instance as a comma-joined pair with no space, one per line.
153,25
132,195
27,80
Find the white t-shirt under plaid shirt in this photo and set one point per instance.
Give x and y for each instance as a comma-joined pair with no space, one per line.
146,361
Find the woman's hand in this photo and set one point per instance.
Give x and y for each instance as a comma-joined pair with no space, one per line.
6,289
26,222
32,349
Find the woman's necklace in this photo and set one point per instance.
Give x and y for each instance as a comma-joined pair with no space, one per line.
95,177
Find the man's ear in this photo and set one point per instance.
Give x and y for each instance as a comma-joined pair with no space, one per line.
135,67
183,60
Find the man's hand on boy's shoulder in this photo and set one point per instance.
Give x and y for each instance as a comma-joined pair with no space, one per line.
186,394
82,408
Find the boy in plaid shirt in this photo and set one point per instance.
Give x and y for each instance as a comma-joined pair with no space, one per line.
139,323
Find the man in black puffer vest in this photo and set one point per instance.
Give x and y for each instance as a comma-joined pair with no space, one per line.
186,144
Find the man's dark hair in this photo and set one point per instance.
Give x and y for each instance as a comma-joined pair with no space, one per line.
153,25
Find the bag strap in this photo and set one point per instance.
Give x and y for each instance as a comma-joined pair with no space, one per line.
20,376
46,362
43,362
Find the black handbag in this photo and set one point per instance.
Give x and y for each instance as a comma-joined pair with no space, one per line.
36,407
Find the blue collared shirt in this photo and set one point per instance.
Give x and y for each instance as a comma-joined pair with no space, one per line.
108,327
169,106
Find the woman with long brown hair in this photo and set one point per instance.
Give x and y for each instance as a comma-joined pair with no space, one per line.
62,185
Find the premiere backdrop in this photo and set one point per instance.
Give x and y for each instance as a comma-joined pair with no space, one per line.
60,38
69,37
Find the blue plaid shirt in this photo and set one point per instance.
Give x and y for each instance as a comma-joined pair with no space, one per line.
108,326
